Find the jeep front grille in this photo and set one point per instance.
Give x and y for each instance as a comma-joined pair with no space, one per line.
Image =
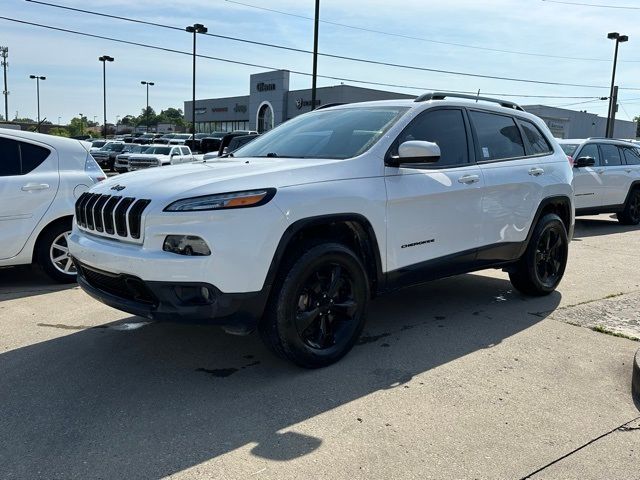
111,216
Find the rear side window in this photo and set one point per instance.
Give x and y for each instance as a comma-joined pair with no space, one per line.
590,150
19,158
536,142
632,155
185,150
32,156
610,155
498,136
444,128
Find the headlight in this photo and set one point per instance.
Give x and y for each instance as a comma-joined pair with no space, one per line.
249,198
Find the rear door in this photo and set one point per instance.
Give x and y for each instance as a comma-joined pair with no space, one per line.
514,177
612,171
28,184
588,183
434,209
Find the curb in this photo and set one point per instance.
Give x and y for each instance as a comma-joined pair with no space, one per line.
635,380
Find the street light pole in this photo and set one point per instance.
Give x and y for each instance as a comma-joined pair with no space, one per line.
147,110
619,39
315,55
4,54
37,79
104,59
81,124
195,29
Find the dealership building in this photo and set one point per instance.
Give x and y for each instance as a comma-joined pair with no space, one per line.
270,102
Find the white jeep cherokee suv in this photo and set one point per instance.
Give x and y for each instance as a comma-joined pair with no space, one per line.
606,177
296,231
41,177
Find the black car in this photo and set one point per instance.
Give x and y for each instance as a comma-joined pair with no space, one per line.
226,140
237,142
196,144
106,156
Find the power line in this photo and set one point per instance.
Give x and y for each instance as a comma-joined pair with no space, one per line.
297,72
341,57
581,4
423,39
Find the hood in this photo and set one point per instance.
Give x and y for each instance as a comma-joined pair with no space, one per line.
225,175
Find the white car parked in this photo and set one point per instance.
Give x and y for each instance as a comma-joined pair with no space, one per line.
160,156
41,177
301,227
606,177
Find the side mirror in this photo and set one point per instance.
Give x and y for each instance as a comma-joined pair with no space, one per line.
416,151
584,162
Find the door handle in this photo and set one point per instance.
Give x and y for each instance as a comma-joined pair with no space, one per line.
536,172
469,179
30,187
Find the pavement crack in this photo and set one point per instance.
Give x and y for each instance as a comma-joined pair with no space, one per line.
621,428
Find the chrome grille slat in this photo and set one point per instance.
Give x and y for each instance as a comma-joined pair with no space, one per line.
111,216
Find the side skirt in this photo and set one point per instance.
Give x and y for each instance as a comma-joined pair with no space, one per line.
499,255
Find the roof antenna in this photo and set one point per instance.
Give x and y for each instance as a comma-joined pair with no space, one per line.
478,96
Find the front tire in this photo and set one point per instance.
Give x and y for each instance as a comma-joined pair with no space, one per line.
318,307
542,266
631,213
52,254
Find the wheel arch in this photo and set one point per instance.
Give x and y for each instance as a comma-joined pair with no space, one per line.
635,185
352,229
560,205
67,219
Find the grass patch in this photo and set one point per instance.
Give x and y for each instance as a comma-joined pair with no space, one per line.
601,329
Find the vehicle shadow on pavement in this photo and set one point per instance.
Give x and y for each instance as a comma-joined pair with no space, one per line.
591,227
152,401
27,281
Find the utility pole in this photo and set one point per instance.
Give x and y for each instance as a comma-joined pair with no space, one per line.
612,113
315,55
104,59
618,39
195,29
4,54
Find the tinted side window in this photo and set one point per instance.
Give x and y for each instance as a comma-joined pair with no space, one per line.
536,141
610,155
9,157
498,136
185,150
632,155
590,150
443,127
32,156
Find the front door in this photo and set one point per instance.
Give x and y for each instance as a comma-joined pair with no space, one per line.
434,209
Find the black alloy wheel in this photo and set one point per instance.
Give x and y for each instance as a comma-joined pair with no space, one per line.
550,256
326,307
631,213
318,305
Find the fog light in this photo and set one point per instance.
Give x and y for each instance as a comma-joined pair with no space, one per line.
186,245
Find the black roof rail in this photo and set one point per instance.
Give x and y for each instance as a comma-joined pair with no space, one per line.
442,95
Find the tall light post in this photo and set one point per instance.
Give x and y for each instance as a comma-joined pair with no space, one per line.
4,54
195,29
148,84
117,124
37,79
612,101
104,59
81,124
315,55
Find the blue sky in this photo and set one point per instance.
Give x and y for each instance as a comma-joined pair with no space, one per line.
74,75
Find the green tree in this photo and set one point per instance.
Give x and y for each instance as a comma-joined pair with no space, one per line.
77,126
59,131
24,120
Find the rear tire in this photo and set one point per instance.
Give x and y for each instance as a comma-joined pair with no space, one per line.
51,253
631,213
542,266
318,306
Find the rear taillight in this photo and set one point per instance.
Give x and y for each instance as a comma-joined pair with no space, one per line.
571,161
92,169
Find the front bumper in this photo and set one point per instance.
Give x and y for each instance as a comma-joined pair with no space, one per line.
197,302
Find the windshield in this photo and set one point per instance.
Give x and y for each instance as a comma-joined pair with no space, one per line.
569,148
112,147
158,150
336,134
132,148
98,144
182,135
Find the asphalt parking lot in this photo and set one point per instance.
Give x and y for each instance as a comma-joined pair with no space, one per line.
459,378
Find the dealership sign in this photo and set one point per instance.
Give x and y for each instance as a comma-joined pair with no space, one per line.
265,87
240,108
